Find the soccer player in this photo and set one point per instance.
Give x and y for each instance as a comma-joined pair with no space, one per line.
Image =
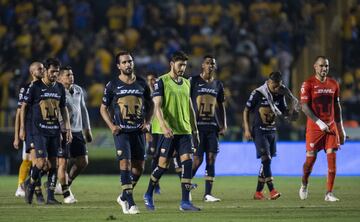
207,93
266,103
36,70
130,99
175,121
79,120
46,98
152,138
324,128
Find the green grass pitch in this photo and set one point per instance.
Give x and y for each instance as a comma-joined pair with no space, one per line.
97,201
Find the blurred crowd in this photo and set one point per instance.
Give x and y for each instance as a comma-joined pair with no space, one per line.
249,38
351,64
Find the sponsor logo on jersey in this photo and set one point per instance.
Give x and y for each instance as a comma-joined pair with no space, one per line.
206,90
324,91
129,91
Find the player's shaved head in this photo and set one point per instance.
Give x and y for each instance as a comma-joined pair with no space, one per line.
34,66
321,57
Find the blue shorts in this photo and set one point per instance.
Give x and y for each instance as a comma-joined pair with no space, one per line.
152,149
182,144
209,143
265,142
130,146
46,146
74,149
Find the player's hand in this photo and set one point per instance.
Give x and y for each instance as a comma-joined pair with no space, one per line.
222,131
88,135
22,134
323,126
16,143
168,133
247,135
145,127
115,129
196,138
148,137
68,136
342,134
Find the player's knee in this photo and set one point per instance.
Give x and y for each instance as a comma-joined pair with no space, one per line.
311,153
125,164
265,159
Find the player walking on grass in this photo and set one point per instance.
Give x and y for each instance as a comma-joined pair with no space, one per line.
207,93
79,120
266,103
129,97
175,121
28,155
46,97
324,128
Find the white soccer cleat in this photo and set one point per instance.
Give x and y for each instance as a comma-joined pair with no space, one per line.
70,199
134,210
209,198
124,205
330,197
303,192
58,189
20,192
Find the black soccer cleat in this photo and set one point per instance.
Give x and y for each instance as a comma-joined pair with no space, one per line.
39,197
29,191
53,201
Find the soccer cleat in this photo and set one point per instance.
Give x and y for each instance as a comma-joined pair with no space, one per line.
124,204
210,198
329,196
134,210
259,196
39,197
20,191
52,201
188,206
58,189
149,202
157,189
274,195
303,192
70,199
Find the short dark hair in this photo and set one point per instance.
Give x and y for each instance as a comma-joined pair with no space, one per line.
51,62
208,56
179,56
65,68
320,57
275,76
121,53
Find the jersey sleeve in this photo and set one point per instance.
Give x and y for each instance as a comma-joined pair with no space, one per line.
337,93
221,95
62,103
282,104
305,92
158,88
251,103
29,95
21,96
108,95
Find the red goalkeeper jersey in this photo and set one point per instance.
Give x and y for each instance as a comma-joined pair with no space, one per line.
321,97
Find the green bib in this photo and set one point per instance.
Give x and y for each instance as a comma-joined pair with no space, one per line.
175,106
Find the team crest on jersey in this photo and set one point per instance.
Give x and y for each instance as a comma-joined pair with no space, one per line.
162,150
119,152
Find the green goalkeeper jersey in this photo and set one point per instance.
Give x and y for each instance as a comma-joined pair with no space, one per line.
175,105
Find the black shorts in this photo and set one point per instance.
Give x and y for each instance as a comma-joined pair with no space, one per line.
130,146
46,146
209,143
29,142
76,148
265,142
152,149
182,144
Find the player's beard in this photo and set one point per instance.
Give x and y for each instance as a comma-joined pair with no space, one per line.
128,71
